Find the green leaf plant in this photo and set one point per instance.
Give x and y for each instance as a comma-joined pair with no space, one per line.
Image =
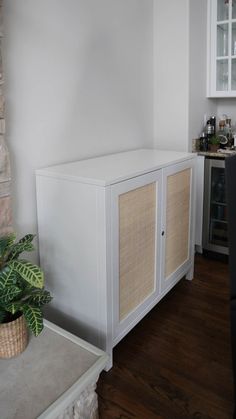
21,284
215,140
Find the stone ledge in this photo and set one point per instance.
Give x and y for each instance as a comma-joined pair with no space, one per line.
5,188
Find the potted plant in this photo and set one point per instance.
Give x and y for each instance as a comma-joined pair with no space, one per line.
214,143
22,295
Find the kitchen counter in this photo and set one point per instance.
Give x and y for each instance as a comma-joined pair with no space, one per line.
217,154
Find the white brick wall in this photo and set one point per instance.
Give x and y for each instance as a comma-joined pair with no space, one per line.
5,198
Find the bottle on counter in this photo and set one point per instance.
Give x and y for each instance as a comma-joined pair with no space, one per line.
229,133
213,124
204,142
222,134
207,134
210,129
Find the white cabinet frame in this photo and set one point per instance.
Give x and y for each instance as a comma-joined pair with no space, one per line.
212,51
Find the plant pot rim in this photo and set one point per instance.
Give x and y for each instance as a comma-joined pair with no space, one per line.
18,315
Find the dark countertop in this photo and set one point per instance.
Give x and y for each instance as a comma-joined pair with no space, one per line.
217,154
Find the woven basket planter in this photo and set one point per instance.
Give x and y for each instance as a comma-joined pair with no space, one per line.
13,338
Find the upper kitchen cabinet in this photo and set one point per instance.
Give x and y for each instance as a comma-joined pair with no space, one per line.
221,48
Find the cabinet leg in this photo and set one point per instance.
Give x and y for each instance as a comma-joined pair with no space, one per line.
190,273
198,249
109,363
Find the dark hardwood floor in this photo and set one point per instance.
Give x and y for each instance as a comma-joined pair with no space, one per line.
176,363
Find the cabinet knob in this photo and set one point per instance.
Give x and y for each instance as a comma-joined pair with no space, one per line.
162,233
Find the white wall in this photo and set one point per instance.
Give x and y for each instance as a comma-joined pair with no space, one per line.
199,105
180,70
171,74
78,84
227,107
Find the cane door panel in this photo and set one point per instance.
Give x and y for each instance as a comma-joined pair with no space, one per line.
176,224
137,225
136,206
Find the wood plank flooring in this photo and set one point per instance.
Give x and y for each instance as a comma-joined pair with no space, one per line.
176,363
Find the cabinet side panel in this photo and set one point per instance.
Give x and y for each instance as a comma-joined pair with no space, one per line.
137,224
177,220
199,200
72,255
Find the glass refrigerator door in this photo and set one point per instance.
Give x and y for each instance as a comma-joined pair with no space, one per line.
218,227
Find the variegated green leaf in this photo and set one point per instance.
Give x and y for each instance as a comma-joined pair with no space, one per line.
40,298
27,238
29,272
34,318
13,307
7,277
8,294
18,248
5,243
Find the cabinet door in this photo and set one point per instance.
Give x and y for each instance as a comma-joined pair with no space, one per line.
136,205
221,48
178,222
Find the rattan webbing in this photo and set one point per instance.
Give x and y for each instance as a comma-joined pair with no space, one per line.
137,222
13,338
177,220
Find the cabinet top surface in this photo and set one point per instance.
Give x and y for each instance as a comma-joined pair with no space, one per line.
51,364
114,168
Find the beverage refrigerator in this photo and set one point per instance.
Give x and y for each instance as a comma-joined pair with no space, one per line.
215,225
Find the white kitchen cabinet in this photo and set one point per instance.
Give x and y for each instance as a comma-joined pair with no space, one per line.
115,233
221,48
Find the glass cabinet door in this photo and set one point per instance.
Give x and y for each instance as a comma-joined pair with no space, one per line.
233,48
234,9
222,45
222,79
222,10
222,75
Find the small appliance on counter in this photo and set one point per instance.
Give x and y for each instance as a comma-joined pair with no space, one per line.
213,139
208,133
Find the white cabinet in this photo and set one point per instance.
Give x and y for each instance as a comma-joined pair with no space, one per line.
221,48
116,233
